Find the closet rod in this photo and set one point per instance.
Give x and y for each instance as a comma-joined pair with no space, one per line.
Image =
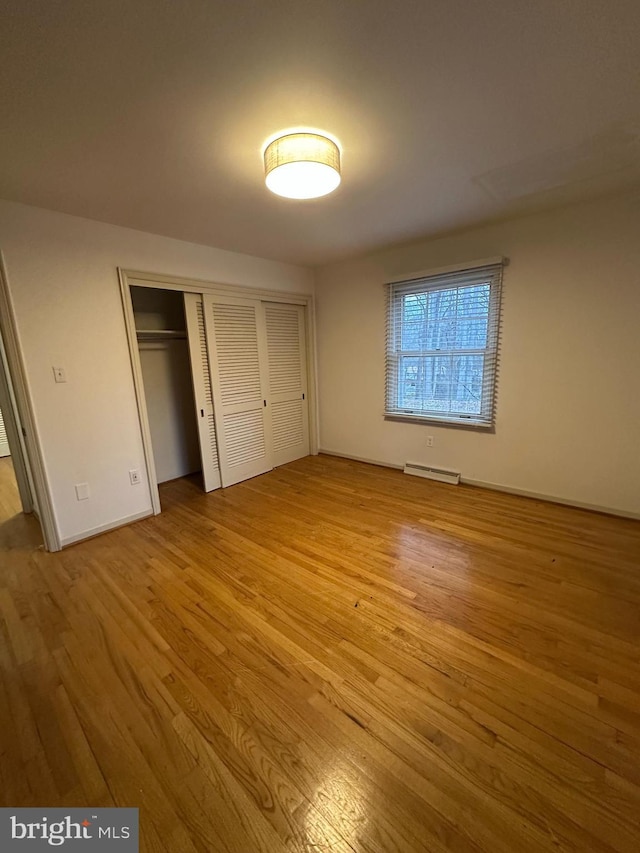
161,334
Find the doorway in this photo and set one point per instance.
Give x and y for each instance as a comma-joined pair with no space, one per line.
24,474
18,506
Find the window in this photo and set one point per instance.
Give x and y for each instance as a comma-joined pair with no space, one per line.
442,347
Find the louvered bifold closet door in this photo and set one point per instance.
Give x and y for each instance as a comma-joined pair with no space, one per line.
289,407
202,390
4,441
237,355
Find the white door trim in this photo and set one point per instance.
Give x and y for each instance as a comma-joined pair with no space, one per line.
136,278
27,450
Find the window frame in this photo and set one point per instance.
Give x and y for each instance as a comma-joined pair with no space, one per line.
451,278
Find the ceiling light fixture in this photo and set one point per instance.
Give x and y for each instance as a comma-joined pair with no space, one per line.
302,165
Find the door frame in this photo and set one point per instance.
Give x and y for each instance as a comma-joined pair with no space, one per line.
134,278
25,449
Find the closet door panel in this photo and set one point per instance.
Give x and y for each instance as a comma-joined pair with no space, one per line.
237,355
202,389
287,363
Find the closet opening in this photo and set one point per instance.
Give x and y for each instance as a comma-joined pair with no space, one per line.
163,350
223,381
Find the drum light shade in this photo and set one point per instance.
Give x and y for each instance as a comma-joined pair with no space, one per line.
302,165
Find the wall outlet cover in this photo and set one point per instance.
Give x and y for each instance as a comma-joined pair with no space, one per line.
82,491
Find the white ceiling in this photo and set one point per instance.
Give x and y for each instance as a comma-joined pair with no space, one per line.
152,113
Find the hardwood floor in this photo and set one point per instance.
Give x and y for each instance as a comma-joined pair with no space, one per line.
9,498
15,528
332,657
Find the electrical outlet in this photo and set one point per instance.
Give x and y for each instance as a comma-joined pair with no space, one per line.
134,476
82,491
429,441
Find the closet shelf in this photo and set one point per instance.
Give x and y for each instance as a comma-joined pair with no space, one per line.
161,334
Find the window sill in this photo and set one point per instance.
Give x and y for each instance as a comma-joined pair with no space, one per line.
460,423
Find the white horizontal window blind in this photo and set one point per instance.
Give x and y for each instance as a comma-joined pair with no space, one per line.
442,346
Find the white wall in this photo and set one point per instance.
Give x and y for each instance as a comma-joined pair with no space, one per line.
166,373
568,409
64,286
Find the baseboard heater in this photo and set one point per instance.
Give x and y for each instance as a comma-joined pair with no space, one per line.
443,475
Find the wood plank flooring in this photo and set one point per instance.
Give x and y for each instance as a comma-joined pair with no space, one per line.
15,527
9,497
332,657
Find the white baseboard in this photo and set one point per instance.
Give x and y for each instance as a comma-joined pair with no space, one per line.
104,528
324,452
499,487
554,499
